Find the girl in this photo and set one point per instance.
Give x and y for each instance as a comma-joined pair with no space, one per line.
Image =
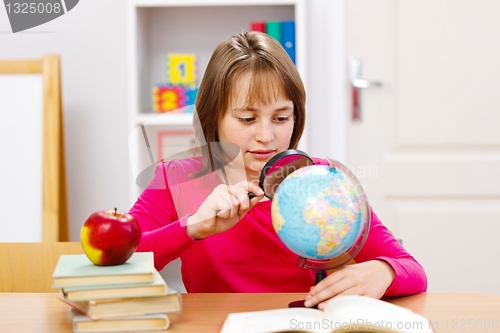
251,96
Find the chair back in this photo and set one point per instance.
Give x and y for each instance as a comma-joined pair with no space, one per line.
28,267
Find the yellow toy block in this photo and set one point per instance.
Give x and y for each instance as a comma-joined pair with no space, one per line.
182,69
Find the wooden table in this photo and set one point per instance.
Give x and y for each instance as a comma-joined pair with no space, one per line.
449,312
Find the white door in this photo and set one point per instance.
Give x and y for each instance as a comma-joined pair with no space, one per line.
427,145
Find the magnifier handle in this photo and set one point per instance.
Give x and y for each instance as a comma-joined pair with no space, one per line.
252,195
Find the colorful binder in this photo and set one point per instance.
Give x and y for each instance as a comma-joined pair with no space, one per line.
258,26
288,38
273,29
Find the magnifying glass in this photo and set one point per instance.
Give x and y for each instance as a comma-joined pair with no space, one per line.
278,168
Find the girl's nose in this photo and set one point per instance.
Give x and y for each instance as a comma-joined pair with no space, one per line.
265,132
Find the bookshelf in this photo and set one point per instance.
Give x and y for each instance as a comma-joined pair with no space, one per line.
159,27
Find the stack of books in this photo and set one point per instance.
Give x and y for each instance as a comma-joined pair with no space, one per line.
122,298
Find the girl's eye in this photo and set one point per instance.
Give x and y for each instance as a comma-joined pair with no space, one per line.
282,119
246,120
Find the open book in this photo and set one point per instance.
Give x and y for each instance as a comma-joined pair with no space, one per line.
341,314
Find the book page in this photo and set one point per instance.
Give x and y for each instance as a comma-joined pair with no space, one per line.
352,313
279,320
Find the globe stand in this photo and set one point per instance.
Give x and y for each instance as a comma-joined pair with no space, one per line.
320,275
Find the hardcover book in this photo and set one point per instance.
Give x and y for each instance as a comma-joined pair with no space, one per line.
258,26
288,38
78,270
123,307
156,322
273,29
82,293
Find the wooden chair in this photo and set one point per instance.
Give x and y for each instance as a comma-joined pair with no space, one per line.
54,219
28,267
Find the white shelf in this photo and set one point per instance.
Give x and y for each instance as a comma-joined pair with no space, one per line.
200,3
164,119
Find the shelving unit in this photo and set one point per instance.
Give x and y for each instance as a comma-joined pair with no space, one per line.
155,119
159,27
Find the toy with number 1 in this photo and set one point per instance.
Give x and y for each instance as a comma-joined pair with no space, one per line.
182,69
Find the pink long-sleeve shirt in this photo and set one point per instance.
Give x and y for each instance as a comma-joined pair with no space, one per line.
248,257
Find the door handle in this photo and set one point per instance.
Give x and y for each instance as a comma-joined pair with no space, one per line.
357,83
364,83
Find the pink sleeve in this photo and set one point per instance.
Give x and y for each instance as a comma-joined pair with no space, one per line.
381,245
163,232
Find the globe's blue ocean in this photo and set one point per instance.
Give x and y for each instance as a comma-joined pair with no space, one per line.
316,212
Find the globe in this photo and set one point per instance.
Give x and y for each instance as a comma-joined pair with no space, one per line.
320,212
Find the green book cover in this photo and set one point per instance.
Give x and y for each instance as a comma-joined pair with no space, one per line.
81,293
273,29
78,270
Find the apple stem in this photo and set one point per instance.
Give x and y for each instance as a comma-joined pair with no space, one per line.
115,211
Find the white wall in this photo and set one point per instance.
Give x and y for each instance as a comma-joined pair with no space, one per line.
326,80
91,40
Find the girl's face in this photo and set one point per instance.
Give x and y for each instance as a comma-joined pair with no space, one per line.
261,130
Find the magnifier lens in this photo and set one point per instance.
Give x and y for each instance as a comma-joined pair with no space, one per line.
279,167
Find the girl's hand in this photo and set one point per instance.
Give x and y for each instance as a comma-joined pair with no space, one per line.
222,209
371,278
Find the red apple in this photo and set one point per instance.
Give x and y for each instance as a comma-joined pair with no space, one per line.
110,237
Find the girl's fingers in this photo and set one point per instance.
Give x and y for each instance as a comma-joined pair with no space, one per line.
350,291
255,189
332,286
222,206
229,201
241,197
329,280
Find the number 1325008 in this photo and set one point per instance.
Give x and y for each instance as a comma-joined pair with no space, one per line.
33,7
